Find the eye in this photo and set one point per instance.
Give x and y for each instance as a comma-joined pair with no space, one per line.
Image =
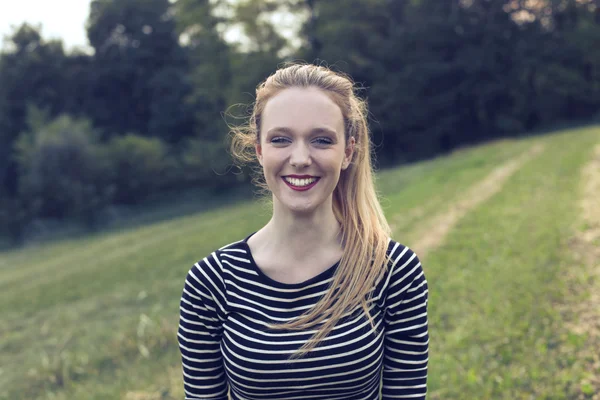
323,141
278,140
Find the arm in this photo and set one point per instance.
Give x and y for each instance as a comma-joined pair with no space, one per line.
202,313
406,340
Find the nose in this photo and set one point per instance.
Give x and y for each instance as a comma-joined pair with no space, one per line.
300,156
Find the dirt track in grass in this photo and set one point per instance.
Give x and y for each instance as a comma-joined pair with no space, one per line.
586,250
434,232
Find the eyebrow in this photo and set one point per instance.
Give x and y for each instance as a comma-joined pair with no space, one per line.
291,131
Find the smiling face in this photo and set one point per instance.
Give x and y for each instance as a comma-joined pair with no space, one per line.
303,149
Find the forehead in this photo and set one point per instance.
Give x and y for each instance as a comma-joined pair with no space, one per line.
301,110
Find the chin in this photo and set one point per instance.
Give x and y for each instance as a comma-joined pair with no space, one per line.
298,207
301,208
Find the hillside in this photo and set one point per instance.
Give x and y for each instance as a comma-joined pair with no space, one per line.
508,234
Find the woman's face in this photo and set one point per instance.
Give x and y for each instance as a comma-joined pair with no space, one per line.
302,148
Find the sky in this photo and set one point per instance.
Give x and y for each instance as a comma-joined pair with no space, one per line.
63,19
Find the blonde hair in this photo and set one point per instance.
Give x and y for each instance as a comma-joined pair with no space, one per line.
365,231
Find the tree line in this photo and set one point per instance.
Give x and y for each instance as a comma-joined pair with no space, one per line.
148,110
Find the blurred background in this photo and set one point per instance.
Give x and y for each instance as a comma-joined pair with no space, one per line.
130,102
115,176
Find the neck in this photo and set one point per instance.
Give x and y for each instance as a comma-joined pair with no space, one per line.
302,233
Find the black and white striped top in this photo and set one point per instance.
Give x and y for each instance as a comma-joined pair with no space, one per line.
224,341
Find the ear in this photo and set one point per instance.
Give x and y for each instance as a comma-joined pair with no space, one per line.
258,149
348,153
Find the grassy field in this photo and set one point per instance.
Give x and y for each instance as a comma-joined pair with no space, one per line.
96,317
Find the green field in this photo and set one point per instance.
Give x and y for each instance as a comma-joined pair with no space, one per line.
96,317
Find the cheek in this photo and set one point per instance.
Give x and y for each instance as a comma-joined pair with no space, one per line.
271,163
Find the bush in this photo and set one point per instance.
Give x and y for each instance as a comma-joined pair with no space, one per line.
207,163
140,167
62,171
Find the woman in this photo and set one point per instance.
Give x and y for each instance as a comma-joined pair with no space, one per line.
320,303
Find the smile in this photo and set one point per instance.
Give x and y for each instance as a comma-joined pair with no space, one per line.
300,184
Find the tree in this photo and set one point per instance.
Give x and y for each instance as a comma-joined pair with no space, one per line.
568,80
210,73
262,50
31,73
136,50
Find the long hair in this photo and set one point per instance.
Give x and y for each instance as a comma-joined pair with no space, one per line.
356,206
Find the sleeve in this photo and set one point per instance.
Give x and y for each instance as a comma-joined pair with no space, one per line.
202,313
406,341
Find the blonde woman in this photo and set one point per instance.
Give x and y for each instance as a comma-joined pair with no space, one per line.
320,303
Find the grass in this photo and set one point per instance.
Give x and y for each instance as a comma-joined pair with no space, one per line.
495,281
95,317
412,193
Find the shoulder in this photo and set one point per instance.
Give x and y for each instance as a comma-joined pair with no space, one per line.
210,270
205,281
400,257
233,258
403,270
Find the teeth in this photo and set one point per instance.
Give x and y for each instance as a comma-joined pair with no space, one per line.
300,182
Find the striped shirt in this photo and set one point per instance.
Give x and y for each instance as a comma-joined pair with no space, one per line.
226,345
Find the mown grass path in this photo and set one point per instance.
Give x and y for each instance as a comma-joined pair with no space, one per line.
496,279
585,246
433,231
95,318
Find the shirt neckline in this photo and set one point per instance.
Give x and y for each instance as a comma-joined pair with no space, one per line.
322,276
